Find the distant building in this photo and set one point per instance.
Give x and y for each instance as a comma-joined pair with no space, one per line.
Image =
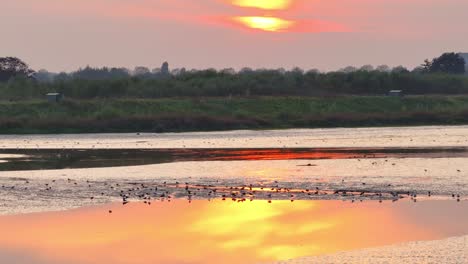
395,93
54,97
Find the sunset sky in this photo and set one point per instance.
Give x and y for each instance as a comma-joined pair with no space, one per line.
327,35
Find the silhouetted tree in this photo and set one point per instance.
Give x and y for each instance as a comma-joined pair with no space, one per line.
91,83
297,70
383,68
165,68
425,67
12,67
141,71
230,71
119,73
105,73
367,68
448,63
313,71
400,69
246,70
44,76
348,69
177,72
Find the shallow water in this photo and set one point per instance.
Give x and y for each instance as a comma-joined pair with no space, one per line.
31,159
240,196
222,232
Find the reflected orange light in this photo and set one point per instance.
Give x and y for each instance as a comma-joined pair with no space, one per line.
217,231
276,154
263,4
272,24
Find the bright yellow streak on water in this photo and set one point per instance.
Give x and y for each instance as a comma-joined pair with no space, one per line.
263,4
220,231
272,24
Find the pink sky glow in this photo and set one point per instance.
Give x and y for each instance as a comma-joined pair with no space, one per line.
327,35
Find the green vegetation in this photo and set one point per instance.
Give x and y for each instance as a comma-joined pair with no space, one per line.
442,75
211,83
215,113
161,100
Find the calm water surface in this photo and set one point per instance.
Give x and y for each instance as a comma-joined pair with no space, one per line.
71,182
223,232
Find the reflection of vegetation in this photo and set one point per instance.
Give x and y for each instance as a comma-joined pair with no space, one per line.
157,115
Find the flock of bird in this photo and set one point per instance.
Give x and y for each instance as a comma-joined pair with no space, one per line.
165,191
148,192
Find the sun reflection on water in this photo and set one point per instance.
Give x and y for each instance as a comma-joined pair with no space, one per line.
214,232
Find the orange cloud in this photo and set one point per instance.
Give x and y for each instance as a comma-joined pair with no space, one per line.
263,4
280,25
318,26
273,16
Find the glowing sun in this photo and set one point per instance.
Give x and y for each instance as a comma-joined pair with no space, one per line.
273,24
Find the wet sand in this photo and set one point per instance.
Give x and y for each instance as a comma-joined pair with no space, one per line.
424,136
449,251
330,179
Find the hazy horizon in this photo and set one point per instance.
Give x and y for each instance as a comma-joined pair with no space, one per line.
323,35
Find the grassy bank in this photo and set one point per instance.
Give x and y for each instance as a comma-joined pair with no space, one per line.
204,114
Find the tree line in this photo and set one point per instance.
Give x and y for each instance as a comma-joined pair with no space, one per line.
442,75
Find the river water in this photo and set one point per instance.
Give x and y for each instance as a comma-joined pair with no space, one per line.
253,196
